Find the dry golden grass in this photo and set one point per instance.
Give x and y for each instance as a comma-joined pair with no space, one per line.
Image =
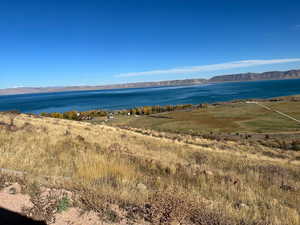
195,179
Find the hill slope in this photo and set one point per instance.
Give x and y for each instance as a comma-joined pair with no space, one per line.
186,180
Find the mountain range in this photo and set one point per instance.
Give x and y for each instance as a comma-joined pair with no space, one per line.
272,75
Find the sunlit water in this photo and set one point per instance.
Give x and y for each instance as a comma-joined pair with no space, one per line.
129,98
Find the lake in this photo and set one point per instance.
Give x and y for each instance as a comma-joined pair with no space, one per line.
129,98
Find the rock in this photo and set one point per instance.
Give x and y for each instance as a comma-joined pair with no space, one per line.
243,206
141,187
274,201
13,189
208,172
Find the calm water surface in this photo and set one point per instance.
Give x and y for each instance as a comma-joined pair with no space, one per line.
129,98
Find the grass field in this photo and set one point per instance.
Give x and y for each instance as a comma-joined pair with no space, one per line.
156,179
226,118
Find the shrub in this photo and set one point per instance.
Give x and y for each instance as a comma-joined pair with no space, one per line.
296,145
57,115
72,115
63,204
111,216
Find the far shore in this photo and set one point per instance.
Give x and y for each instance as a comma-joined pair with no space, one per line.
150,109
244,77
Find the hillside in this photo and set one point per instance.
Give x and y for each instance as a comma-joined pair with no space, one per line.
274,75
126,177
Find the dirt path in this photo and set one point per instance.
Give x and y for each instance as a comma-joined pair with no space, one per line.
273,110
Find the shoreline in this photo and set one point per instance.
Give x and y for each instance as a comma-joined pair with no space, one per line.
192,106
117,88
214,93
148,110
243,77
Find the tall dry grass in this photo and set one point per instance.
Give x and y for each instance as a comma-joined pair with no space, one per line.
183,182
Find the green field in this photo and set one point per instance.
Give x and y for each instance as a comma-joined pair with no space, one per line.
224,118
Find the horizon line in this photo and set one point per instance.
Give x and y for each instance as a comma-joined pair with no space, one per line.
210,67
103,85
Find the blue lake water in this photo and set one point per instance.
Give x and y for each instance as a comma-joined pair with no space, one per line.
129,98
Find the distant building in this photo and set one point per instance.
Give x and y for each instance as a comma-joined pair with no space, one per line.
110,116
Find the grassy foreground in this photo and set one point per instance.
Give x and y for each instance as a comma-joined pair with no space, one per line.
156,180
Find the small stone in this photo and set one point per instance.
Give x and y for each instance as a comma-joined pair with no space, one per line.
244,206
241,205
12,191
141,187
208,172
274,201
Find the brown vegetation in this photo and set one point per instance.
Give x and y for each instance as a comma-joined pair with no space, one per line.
153,178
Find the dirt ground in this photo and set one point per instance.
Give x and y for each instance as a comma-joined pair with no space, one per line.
12,200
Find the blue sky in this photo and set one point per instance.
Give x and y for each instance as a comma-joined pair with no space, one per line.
89,42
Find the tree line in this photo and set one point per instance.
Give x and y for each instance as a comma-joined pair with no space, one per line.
143,110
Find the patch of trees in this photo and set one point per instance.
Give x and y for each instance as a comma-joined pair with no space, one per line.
147,110
143,110
75,115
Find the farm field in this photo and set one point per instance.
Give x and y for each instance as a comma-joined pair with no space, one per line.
233,121
226,118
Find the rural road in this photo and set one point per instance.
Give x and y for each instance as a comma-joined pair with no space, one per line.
273,110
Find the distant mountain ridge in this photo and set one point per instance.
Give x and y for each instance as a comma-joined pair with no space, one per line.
32,90
272,75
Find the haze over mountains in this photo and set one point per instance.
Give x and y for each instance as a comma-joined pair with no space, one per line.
272,75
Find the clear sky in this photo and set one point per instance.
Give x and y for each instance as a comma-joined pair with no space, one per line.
79,42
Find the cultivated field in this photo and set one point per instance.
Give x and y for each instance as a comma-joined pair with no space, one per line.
132,178
232,121
227,118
